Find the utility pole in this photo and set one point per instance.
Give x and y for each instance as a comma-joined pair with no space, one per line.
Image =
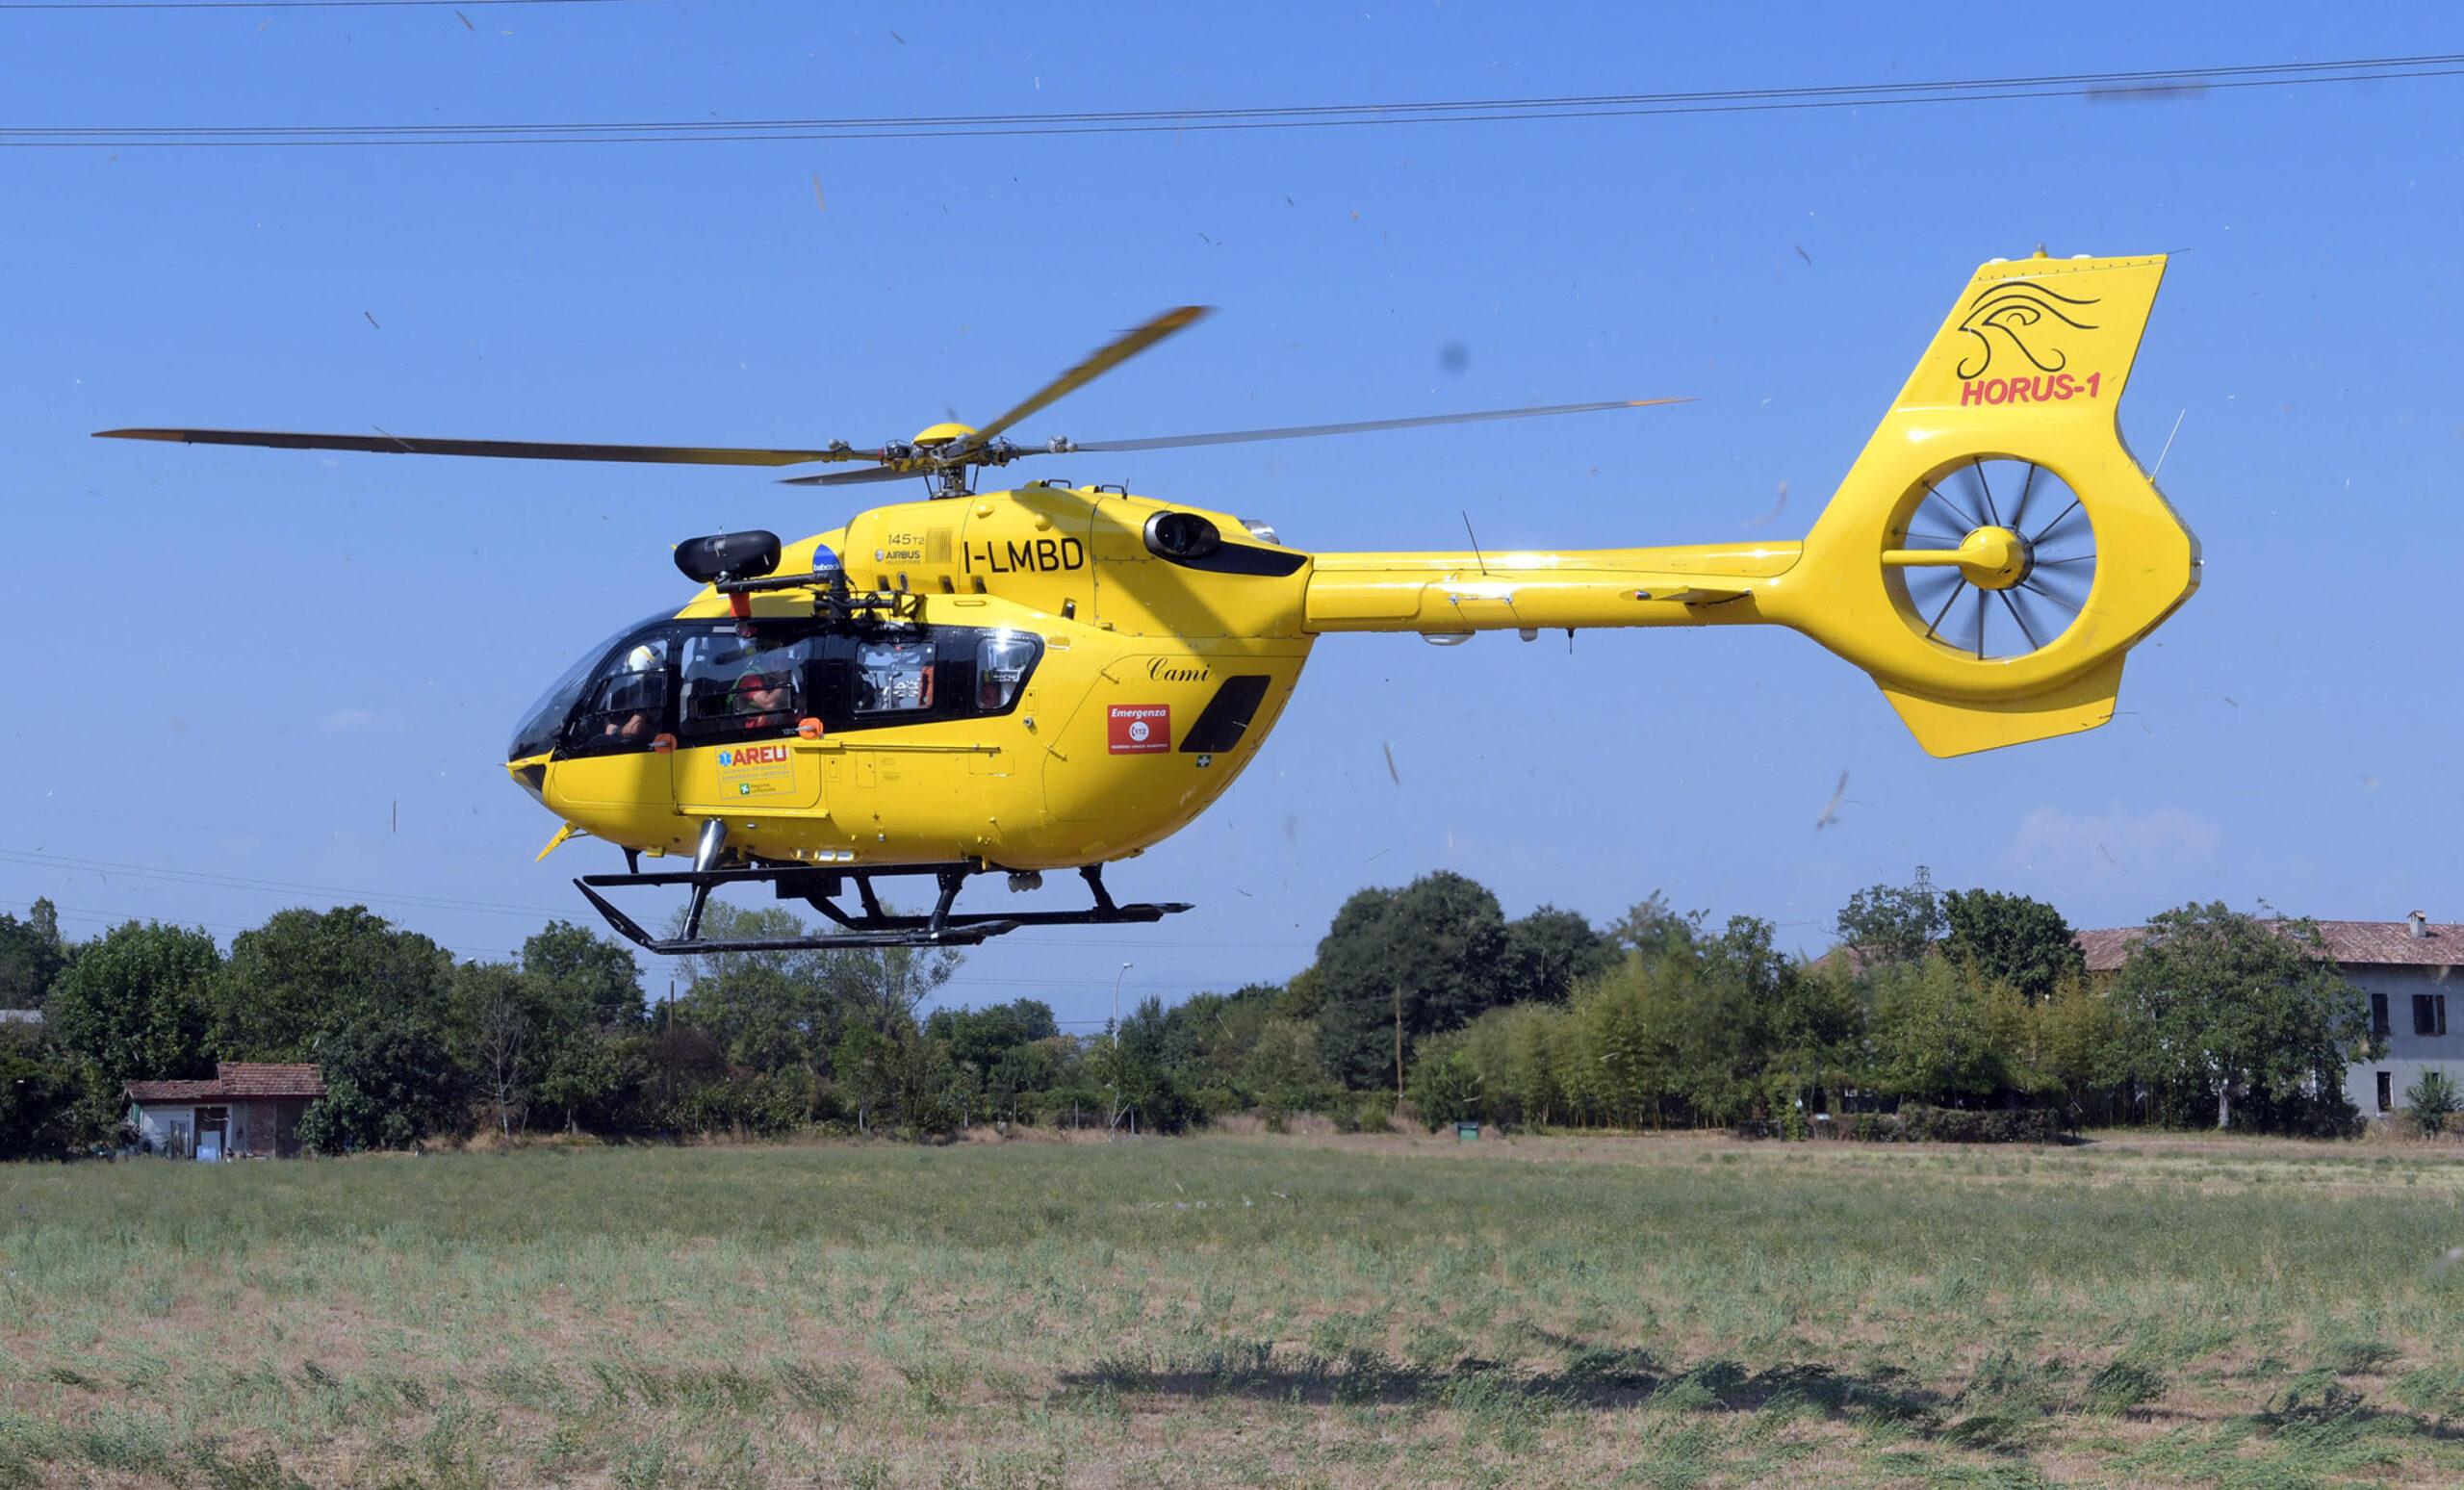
1399,1042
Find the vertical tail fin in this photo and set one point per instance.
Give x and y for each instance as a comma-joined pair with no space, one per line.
1996,551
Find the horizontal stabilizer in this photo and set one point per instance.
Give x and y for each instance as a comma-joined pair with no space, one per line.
1960,729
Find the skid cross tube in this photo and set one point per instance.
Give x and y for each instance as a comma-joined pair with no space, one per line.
872,926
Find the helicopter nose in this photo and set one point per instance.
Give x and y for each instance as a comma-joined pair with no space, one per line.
532,776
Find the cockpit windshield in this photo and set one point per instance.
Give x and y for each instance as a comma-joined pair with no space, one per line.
543,724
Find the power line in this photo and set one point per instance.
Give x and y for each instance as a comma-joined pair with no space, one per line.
251,883
111,919
2116,85
282,5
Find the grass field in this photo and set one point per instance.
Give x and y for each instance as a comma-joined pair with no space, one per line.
1242,1310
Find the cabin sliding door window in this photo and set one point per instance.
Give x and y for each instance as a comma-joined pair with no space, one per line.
738,685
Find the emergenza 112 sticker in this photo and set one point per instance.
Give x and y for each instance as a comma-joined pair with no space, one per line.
1140,728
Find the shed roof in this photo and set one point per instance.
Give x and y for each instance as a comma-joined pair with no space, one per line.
235,1079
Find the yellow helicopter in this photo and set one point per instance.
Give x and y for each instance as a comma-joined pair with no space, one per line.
1056,676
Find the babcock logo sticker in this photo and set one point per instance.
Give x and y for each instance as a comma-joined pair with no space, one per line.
1140,728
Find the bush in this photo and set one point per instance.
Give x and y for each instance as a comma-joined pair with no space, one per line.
2428,1101
1365,1113
1444,1085
1915,1124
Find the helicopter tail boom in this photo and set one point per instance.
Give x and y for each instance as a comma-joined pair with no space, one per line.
1990,559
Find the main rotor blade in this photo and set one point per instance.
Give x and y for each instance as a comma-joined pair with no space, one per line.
1361,427
1112,354
851,477
381,444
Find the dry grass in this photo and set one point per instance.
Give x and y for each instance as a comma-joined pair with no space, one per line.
1314,1310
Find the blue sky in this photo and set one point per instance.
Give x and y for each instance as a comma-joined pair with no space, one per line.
300,671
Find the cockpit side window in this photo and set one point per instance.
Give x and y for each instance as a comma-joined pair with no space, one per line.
626,706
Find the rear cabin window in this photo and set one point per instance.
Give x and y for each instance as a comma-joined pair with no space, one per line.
1001,662
894,677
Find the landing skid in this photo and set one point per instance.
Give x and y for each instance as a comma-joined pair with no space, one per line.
869,925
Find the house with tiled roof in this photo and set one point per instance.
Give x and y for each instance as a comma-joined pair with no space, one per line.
2408,969
249,1108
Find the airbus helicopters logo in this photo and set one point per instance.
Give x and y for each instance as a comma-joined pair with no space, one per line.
2027,326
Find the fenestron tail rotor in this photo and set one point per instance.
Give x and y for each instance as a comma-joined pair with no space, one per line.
1996,559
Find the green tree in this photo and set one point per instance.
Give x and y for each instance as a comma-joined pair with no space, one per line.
979,1037
507,1025
138,1001
1518,1053
390,1083
588,969
2220,1007
1129,1065
1550,950
589,1078
32,956
2023,942
53,1102
1651,927
1942,1036
2076,1044
1622,1059
1280,1070
767,1010
1429,956
1891,922
1815,1036
308,974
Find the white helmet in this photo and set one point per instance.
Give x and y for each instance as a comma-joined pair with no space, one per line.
642,658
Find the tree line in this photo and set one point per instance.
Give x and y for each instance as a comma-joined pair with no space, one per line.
1425,993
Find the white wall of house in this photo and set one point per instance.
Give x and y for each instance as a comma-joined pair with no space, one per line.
155,1120
2409,1052
154,1123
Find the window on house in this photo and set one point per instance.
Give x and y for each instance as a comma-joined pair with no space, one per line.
2378,1013
2429,1014
2386,1091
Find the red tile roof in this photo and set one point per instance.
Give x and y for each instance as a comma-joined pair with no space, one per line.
235,1079
2352,943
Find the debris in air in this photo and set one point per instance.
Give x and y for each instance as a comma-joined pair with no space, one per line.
1778,505
1391,772
1831,809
